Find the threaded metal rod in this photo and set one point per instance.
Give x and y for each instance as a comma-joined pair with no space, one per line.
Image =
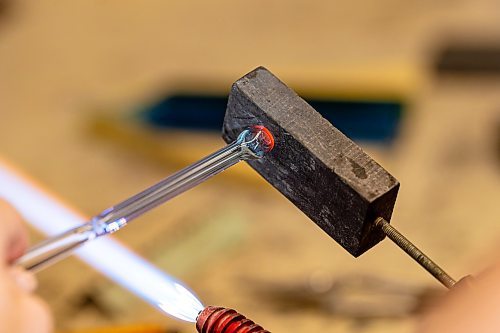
415,253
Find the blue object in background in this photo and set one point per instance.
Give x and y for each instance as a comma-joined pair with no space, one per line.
360,120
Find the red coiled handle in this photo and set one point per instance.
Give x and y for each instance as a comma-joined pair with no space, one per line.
221,320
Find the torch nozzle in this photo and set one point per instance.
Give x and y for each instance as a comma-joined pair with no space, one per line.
222,320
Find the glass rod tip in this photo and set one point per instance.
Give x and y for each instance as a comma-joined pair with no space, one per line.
264,136
255,142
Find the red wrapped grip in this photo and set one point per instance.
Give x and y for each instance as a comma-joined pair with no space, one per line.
221,320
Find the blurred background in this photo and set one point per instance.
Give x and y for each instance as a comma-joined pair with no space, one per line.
99,99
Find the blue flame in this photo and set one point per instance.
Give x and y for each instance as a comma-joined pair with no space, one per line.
105,254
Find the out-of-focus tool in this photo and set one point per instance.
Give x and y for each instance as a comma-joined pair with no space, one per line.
469,59
357,297
146,328
326,175
222,320
252,143
368,119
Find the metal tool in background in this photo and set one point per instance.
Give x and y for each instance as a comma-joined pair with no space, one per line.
252,143
368,119
137,328
365,297
320,170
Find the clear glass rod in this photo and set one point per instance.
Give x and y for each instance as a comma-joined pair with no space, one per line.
252,143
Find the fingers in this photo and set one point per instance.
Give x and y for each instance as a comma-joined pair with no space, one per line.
38,317
25,281
28,314
13,235
467,308
20,310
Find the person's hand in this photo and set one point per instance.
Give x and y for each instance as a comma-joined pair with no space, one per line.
20,310
469,307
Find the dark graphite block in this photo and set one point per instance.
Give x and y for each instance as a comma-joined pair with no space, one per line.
326,175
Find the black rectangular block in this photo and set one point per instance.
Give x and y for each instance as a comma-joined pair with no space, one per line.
326,175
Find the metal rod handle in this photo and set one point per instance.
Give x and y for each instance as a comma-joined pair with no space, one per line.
415,253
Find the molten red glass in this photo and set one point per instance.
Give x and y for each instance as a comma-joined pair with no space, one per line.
221,320
267,138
